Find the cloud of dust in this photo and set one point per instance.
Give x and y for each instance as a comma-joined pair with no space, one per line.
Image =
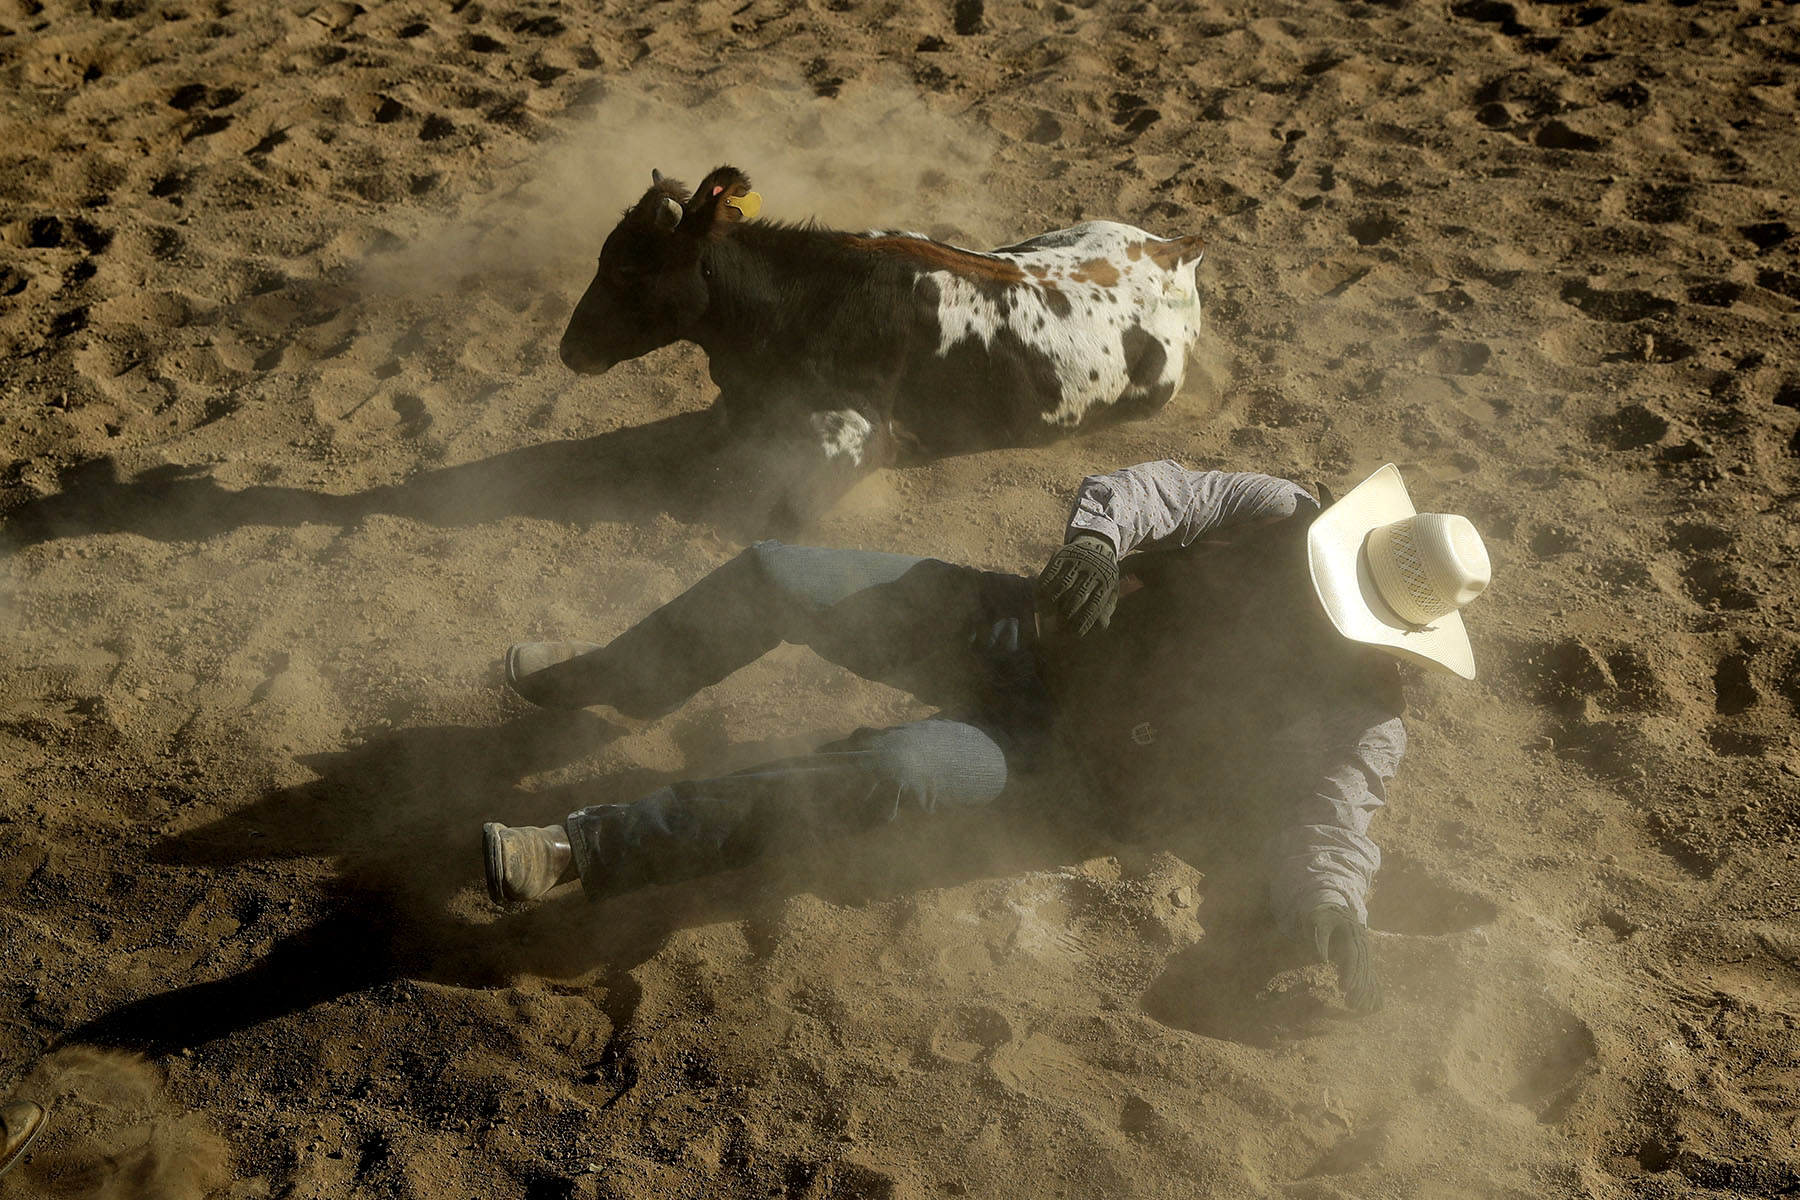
878,155
113,1134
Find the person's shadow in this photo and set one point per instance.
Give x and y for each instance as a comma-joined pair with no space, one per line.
401,816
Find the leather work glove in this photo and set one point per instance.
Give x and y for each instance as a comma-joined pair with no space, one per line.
1343,942
1080,584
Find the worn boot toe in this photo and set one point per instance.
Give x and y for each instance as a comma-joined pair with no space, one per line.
528,672
524,861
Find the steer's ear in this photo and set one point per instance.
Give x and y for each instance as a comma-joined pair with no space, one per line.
722,199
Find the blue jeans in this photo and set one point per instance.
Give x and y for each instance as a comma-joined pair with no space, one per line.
955,637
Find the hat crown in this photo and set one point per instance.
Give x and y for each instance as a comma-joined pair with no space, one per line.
1428,565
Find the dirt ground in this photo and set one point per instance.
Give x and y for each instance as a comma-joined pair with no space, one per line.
291,458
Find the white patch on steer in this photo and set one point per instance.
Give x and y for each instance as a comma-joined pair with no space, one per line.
843,433
1085,346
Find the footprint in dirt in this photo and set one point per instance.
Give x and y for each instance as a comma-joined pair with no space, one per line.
1628,96
1609,925
1719,582
1660,204
970,1033
1788,394
1132,113
1491,12
50,232
1734,690
1452,357
1558,135
1624,305
1494,115
198,95
1782,283
1569,675
1630,428
1766,235
1373,229
1535,1054
1643,346
1715,293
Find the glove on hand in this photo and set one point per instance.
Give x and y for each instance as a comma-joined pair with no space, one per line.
1343,942
1080,584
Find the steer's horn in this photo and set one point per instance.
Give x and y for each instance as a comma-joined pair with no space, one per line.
655,176
668,214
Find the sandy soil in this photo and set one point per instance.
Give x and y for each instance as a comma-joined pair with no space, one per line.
292,458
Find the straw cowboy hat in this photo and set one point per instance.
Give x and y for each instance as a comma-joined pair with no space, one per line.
1397,578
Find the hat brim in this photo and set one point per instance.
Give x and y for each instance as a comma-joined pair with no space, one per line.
1340,575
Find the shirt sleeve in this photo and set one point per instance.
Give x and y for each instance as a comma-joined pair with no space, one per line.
1324,855
1161,505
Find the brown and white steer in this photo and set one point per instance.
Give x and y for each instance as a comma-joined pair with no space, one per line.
858,344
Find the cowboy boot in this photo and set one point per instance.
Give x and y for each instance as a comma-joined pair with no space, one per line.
20,1124
524,861
528,674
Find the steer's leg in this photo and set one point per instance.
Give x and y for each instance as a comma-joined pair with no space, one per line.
792,465
837,448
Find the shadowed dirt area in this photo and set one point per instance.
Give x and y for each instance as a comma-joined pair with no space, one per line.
290,458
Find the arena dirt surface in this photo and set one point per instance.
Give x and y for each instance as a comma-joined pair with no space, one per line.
292,458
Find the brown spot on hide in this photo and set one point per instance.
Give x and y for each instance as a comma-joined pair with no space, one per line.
1056,302
1096,270
1170,254
935,256
1134,251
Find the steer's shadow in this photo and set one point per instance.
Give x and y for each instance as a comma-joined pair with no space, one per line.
683,465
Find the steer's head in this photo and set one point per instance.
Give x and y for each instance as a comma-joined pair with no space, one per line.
652,286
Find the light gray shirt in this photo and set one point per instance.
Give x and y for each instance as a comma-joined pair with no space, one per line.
1324,855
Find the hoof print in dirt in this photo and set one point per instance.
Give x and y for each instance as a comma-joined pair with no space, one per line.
1598,695
1627,304
1631,428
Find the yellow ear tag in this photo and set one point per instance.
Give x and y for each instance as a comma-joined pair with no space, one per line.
749,204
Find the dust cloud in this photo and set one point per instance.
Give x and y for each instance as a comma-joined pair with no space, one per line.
875,156
113,1134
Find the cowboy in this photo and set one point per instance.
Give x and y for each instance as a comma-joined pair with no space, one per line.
1195,629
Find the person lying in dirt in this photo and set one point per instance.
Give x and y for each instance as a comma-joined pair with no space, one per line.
1194,628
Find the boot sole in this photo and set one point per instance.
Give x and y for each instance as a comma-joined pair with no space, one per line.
512,670
493,854
531,686
19,1150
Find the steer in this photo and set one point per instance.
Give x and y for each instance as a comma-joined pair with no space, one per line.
864,345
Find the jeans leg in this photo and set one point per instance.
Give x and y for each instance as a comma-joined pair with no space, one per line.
703,826
893,618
